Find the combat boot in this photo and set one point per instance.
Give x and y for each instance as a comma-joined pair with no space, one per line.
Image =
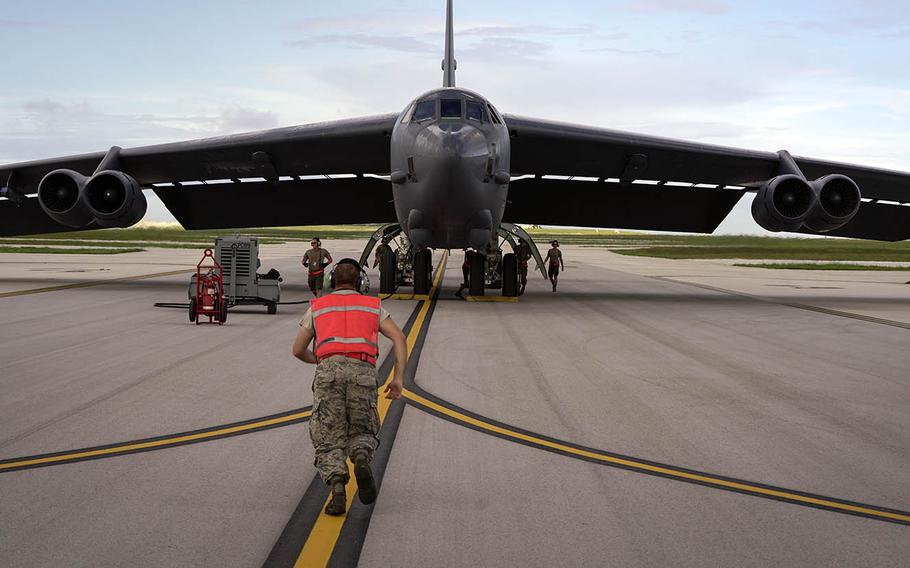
338,500
366,486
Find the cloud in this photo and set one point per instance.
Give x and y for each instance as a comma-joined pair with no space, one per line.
406,43
46,127
704,7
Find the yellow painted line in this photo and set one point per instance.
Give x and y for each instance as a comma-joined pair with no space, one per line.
317,550
508,299
92,283
705,479
405,297
156,443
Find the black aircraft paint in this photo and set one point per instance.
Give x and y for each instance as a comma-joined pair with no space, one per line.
458,168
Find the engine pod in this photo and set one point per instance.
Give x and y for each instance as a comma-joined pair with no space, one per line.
783,203
61,194
837,201
115,199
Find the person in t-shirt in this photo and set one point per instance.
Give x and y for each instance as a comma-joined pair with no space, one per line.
316,259
554,260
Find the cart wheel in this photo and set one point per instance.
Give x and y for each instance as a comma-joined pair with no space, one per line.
222,315
272,307
193,309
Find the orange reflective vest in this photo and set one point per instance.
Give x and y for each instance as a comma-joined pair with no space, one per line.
346,324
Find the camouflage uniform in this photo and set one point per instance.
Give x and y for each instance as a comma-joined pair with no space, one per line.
345,417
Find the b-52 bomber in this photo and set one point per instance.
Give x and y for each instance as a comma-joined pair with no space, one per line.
450,171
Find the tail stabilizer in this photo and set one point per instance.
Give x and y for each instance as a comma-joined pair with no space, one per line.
449,64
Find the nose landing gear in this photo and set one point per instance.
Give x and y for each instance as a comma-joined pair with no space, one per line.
401,266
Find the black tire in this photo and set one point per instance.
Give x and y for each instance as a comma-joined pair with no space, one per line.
422,270
388,280
475,278
272,308
510,275
222,313
193,309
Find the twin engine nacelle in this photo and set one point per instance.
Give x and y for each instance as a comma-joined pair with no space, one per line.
109,198
789,202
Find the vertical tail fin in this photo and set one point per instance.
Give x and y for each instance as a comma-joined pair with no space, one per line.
448,64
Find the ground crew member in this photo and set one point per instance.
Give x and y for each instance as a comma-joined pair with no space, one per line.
316,259
345,422
466,273
384,246
554,259
523,253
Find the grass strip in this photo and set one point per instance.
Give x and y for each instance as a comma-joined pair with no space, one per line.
52,250
824,266
771,250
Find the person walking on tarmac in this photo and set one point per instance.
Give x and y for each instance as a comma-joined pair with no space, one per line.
345,421
554,259
380,249
466,273
523,252
316,259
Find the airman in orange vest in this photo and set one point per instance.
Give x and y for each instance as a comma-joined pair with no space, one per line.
345,423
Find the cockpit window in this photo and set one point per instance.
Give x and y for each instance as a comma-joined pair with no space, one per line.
493,116
425,110
450,108
474,109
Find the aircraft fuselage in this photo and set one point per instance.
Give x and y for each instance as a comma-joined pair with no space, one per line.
450,169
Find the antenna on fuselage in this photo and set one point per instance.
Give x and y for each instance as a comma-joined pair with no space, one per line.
449,64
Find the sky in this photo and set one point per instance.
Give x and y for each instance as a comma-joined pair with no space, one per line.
826,79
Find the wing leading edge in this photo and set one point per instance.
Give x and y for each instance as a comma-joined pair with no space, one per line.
357,146
690,186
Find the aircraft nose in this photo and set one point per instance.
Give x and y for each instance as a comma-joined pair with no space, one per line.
456,142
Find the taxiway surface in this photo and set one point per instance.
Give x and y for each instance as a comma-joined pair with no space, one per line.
803,387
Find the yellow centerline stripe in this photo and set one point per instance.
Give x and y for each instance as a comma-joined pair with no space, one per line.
708,480
92,283
157,443
317,550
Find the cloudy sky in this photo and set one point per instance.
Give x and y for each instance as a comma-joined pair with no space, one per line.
827,79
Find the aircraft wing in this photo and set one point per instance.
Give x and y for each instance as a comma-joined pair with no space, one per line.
583,176
314,174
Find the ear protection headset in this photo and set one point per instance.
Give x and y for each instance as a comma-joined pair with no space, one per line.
363,282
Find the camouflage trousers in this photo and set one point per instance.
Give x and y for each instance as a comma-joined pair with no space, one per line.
345,417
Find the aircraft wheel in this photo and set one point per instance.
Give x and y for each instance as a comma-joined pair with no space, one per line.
478,269
422,264
510,275
387,277
193,310
272,308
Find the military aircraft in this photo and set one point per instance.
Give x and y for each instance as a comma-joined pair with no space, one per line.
450,171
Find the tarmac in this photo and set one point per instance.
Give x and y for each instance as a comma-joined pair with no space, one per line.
686,413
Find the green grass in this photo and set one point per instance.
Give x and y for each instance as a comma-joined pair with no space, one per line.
52,250
102,243
175,234
768,248
628,243
823,266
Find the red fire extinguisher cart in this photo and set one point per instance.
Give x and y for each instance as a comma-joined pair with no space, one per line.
209,301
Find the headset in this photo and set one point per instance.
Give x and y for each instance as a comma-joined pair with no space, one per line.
363,280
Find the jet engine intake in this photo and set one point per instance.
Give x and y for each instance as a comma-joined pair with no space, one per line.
115,199
837,200
784,203
61,194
